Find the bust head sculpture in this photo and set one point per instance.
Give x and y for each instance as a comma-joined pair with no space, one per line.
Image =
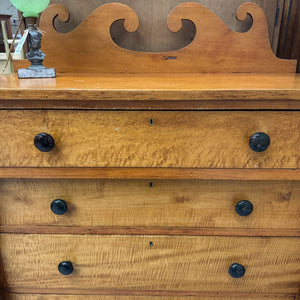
35,38
35,55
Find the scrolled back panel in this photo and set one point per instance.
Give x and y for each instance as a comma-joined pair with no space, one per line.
215,48
153,34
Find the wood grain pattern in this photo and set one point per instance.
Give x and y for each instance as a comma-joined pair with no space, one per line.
103,297
171,264
161,293
152,104
127,139
201,87
214,49
191,224
126,230
152,173
208,204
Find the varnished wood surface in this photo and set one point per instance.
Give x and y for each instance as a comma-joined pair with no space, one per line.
127,139
153,34
184,264
126,230
131,203
153,104
214,49
154,294
152,173
105,297
76,88
161,293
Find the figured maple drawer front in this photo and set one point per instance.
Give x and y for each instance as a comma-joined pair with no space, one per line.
174,203
106,297
168,263
150,139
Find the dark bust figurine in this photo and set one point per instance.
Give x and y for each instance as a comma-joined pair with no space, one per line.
35,55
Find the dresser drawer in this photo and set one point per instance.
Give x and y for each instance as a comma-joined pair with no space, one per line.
104,297
151,263
174,203
149,139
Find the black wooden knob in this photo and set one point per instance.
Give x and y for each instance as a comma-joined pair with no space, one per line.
65,268
244,208
44,142
59,207
259,142
237,271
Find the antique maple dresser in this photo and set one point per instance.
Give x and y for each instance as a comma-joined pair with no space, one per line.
151,176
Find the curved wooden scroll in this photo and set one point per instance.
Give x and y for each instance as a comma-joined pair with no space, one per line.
215,49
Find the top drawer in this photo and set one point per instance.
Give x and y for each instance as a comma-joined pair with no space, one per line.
191,139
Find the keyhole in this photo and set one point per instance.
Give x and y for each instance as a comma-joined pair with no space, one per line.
150,184
151,122
151,244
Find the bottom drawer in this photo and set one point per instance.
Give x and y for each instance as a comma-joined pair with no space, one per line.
94,297
126,264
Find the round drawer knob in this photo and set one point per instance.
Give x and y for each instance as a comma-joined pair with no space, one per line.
44,142
236,270
244,208
65,268
259,142
59,207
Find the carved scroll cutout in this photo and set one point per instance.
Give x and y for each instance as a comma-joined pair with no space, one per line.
215,48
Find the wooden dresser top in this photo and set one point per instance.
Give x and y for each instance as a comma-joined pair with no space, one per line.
219,69
92,86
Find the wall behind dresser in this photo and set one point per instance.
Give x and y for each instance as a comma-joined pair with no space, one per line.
153,34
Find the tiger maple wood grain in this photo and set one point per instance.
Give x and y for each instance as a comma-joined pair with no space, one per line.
178,203
126,139
171,264
103,297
